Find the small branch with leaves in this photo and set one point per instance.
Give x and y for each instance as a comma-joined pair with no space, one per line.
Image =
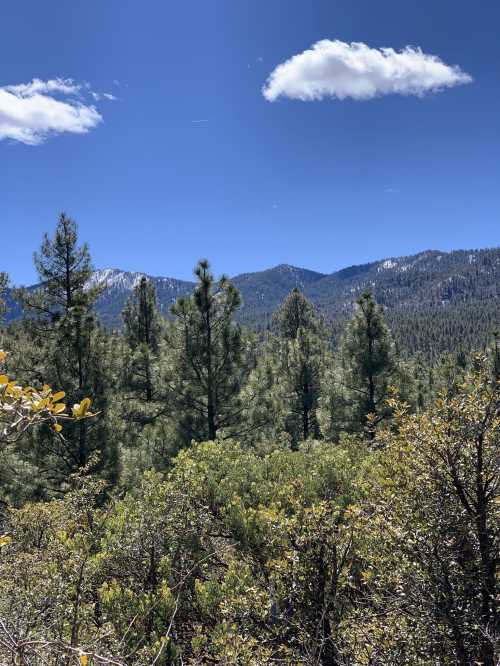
23,407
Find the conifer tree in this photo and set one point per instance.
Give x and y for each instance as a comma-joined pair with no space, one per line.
3,286
141,418
142,330
301,352
207,365
75,355
369,365
294,314
64,269
287,379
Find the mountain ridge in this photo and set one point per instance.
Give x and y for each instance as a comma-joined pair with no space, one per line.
412,288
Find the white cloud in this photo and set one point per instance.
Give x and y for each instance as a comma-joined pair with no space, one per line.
99,96
31,112
64,86
335,69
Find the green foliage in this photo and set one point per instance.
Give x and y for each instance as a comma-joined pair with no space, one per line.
70,352
433,532
357,392
345,553
196,566
288,375
4,280
434,301
248,499
206,366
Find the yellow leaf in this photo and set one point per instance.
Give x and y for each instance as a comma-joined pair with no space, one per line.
5,540
58,396
4,379
10,388
81,409
3,355
84,405
57,427
57,409
84,660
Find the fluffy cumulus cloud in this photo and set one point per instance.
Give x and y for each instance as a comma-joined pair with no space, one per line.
335,69
31,112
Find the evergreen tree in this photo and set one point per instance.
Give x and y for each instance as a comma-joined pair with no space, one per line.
282,395
3,287
296,313
142,331
496,356
207,366
74,356
141,418
64,269
369,365
300,351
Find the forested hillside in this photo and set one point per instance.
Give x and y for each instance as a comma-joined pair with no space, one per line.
191,490
435,301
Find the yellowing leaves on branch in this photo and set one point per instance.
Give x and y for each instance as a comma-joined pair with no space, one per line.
22,407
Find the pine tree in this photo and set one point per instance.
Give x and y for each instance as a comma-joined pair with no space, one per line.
369,365
287,381
141,416
207,365
296,313
74,356
142,331
64,269
301,352
3,286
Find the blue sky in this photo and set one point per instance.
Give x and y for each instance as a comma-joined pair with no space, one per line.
321,184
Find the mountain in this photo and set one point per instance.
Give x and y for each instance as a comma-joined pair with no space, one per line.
435,301
118,285
262,292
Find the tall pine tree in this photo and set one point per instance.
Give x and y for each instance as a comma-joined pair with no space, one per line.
142,331
287,380
74,356
370,366
301,350
142,415
207,365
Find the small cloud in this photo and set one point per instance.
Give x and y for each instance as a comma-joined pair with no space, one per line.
99,96
335,69
31,112
202,120
391,190
260,59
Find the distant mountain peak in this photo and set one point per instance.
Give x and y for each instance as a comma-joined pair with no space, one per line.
114,278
